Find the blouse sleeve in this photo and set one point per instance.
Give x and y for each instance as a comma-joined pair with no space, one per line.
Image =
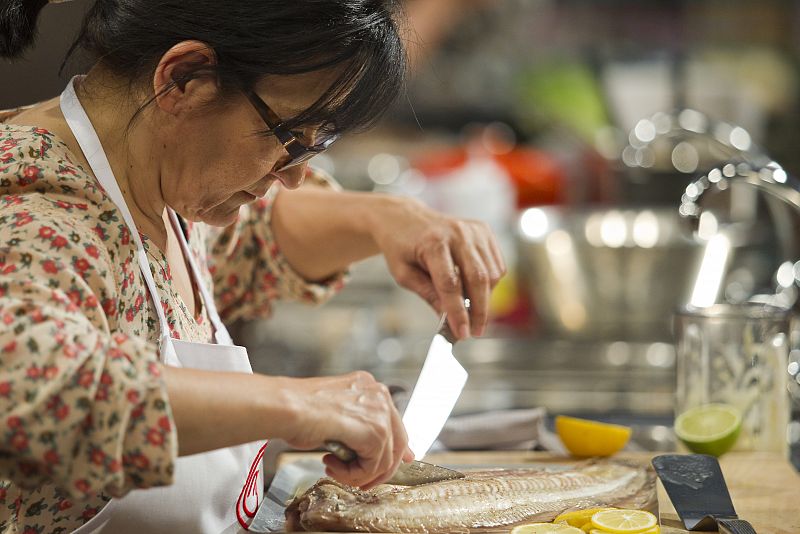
249,271
80,406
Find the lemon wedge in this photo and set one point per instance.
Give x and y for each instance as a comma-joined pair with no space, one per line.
583,437
624,521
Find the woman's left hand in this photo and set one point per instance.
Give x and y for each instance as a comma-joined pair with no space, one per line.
443,259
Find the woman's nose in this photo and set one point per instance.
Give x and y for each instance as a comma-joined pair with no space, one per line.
292,177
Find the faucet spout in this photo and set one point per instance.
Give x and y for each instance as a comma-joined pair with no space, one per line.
770,178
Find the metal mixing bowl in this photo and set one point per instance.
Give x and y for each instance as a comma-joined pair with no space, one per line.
607,273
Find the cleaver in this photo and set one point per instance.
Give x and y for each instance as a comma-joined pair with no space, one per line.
435,394
697,489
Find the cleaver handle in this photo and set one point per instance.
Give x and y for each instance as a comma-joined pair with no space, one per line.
341,451
735,526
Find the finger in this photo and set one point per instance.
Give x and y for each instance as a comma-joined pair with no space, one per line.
498,255
492,266
408,455
440,266
356,473
395,442
419,282
400,441
476,282
341,471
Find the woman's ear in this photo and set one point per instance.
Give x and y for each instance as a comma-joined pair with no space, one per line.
176,82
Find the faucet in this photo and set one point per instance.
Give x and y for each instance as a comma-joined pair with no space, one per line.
770,178
782,191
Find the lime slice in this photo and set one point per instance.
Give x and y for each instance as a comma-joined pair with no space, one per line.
709,429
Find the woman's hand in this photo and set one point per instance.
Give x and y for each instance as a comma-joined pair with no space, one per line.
441,258
357,411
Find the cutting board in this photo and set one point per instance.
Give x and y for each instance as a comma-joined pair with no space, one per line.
764,487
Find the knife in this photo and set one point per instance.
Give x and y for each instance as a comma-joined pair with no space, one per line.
435,394
697,489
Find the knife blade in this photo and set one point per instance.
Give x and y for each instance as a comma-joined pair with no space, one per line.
410,474
697,489
436,392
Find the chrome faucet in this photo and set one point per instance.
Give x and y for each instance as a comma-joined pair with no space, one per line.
770,178
782,191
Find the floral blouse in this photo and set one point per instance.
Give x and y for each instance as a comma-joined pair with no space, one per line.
84,414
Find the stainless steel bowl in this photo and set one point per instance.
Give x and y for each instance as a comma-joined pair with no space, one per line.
607,273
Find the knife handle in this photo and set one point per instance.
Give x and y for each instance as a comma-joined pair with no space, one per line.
735,526
341,451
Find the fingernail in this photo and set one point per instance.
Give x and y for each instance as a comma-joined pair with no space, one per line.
464,332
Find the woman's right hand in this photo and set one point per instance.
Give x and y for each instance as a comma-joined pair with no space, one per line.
356,410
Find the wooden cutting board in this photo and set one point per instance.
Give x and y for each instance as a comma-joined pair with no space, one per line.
764,487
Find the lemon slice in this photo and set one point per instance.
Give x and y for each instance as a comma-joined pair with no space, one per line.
655,530
709,429
545,528
590,438
624,521
578,518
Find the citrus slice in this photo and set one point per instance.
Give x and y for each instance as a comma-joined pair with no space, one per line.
624,521
655,530
590,438
578,518
545,528
709,429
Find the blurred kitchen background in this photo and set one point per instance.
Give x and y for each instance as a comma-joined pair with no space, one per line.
575,129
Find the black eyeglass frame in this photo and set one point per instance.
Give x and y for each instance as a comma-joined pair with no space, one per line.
298,151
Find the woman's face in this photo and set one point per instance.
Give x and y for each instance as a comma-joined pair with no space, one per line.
217,159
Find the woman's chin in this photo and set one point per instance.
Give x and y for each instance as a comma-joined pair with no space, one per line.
221,215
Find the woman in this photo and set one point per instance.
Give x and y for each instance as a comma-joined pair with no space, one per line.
164,183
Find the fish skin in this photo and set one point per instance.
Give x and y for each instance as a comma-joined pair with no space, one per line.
481,500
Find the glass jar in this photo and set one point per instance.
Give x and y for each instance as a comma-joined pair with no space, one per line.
737,355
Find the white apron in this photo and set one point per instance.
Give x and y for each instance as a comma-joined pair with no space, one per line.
213,492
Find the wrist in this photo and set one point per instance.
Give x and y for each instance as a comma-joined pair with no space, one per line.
379,212
277,407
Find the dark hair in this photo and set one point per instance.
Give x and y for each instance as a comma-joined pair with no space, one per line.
250,38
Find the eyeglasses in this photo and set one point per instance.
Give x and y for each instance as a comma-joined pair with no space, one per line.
298,150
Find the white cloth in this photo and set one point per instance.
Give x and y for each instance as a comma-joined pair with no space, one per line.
213,492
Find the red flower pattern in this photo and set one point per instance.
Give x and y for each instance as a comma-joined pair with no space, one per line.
89,266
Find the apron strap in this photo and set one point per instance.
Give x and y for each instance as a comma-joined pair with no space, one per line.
84,132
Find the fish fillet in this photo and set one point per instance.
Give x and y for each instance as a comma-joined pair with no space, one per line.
483,499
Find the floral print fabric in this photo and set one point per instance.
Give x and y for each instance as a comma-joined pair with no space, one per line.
84,414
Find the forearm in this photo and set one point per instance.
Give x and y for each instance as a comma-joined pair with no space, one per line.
212,410
321,232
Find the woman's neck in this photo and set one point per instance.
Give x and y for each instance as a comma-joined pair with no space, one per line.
132,149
